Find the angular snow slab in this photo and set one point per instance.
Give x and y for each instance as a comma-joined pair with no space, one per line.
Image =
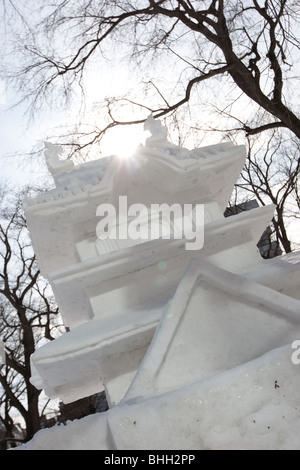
253,406
78,363
132,278
217,320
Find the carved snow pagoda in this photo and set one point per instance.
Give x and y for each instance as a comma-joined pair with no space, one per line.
192,347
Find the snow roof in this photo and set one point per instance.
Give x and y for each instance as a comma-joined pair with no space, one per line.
66,214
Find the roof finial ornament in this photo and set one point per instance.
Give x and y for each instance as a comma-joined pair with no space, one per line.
54,164
158,131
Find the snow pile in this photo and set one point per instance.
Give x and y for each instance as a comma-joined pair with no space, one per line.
254,406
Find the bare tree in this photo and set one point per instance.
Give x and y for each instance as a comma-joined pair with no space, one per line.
271,176
251,45
238,57
28,315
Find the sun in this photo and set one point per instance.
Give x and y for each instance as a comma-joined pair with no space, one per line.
123,141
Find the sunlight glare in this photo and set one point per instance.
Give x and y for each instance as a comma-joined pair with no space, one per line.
123,141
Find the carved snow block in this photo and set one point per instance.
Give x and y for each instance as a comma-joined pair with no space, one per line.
216,321
252,406
97,355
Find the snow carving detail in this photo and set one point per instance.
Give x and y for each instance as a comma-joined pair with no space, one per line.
54,164
159,133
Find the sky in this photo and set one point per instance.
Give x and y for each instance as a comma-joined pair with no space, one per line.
19,135
16,138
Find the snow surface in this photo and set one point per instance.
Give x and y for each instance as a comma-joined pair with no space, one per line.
253,406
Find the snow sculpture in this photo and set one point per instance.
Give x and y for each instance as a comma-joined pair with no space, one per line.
54,164
176,337
158,132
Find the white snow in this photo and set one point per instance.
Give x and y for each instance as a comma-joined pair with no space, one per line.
253,406
193,348
238,409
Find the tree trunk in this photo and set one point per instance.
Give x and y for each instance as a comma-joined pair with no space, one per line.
33,417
